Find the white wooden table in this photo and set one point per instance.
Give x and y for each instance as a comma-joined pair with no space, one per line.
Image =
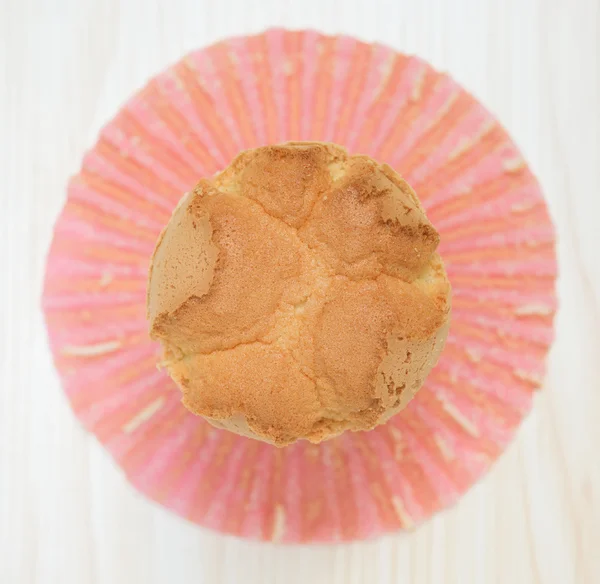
67,515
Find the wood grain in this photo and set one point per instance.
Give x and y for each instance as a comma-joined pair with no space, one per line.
66,513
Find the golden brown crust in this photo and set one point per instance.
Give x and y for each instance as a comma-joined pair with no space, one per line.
368,224
286,181
298,294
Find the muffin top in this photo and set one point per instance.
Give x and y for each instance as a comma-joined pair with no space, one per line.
298,294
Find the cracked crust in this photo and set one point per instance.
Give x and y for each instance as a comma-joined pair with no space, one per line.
298,294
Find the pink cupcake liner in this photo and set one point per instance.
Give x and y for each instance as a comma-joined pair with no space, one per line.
497,241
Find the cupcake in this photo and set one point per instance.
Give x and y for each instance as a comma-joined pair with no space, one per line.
190,121
298,294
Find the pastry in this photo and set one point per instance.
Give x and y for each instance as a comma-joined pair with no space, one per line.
298,294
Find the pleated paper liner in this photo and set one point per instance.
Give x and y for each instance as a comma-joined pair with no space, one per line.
497,241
